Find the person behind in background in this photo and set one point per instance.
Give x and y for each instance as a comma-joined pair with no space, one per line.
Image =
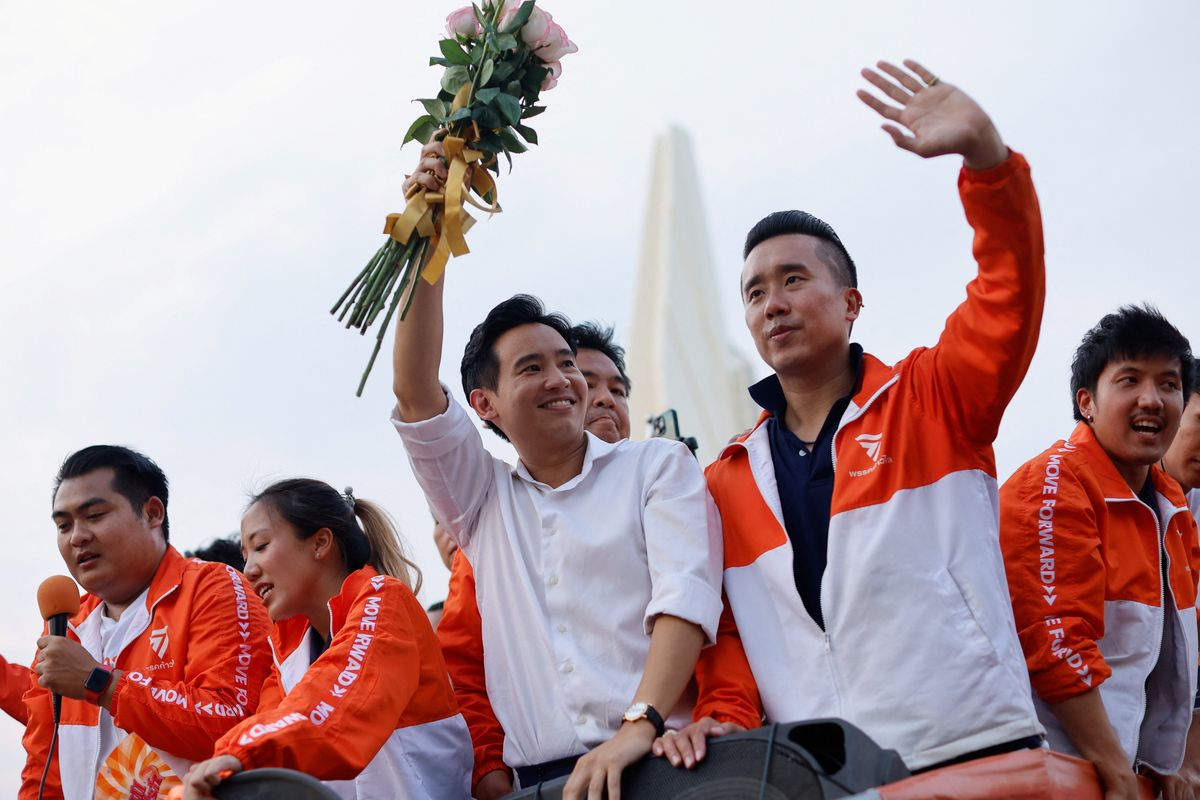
596,565
224,550
1101,556
1182,461
359,694
862,569
165,654
602,363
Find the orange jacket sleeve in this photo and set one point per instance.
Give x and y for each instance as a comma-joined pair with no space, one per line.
988,341
1060,620
460,634
333,722
14,682
227,661
725,686
38,731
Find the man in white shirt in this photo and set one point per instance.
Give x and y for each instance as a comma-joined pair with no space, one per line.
597,565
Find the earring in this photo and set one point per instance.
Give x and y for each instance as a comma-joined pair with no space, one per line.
1089,419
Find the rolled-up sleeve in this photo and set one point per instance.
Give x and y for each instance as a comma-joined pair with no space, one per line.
451,465
683,544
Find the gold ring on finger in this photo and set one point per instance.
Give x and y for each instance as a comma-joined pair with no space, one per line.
933,81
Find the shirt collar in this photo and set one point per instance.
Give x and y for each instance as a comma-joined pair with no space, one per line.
597,449
768,392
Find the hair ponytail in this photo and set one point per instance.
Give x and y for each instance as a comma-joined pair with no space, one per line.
387,549
310,505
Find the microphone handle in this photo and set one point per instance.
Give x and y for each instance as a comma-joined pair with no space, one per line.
57,626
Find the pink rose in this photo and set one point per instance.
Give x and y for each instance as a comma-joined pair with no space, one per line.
554,70
509,8
555,44
463,23
533,33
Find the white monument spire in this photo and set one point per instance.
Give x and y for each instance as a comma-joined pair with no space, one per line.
679,353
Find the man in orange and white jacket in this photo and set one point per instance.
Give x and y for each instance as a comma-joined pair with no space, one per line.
863,574
164,656
1102,557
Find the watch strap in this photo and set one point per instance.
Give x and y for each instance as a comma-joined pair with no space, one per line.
650,714
96,684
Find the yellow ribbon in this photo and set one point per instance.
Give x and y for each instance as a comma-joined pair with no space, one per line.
446,230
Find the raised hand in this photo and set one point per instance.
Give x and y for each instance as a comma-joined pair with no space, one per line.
941,117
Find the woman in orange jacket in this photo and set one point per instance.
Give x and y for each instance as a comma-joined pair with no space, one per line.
359,694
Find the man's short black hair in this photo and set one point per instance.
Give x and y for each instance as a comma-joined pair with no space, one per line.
226,550
1130,332
831,250
480,365
591,336
135,476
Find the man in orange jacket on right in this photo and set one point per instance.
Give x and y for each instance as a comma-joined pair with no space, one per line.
1102,557
863,572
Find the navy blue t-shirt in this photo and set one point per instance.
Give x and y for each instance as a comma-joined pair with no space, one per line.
804,476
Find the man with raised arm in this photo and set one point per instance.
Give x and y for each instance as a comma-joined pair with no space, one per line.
862,568
165,655
602,362
596,564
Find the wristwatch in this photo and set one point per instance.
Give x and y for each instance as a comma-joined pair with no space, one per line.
96,684
639,711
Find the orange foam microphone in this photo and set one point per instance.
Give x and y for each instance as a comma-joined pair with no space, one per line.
58,600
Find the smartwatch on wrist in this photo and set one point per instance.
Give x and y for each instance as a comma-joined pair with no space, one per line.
640,711
96,684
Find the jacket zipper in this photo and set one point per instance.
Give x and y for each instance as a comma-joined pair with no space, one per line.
1162,610
833,457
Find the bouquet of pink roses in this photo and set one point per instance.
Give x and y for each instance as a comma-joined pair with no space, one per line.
499,57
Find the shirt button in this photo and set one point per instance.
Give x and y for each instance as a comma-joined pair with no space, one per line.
551,531
562,627
582,719
553,581
568,668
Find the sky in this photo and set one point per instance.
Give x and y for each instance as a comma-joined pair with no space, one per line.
188,187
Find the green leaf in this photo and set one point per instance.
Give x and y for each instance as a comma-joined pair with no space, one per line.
527,133
532,111
479,13
485,72
421,129
520,18
489,142
487,95
506,41
438,62
532,80
486,117
514,88
435,108
503,69
462,113
511,142
455,78
453,52
509,108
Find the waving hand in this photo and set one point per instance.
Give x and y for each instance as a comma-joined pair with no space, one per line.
940,117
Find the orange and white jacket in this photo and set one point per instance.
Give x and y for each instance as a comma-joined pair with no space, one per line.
919,648
460,635
374,715
1085,573
14,682
194,657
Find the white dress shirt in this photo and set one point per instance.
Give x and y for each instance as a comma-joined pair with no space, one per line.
569,580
